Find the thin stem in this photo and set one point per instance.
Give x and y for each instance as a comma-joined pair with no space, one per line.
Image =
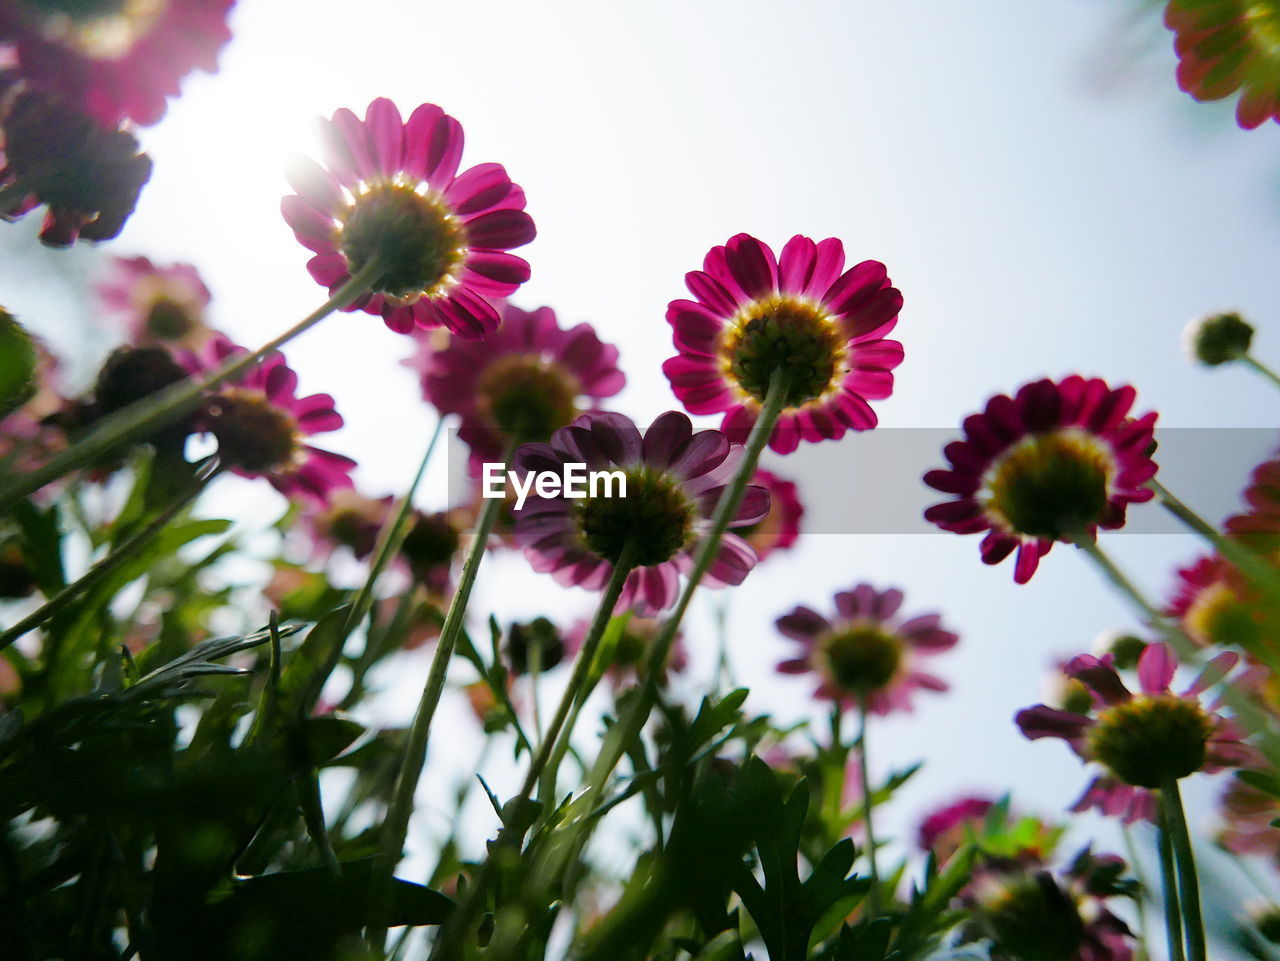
630,724
396,826
107,565
150,413
1261,574
865,776
558,731
1251,361
1140,902
1185,859
1169,883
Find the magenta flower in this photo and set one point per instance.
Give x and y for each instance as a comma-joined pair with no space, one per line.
88,177
674,479
798,314
780,528
392,191
1053,463
118,60
1031,914
527,379
348,520
1143,741
866,653
262,425
157,304
630,659
946,827
1229,45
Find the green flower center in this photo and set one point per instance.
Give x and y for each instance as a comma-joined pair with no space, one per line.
863,658
528,398
168,320
656,517
1051,485
253,433
1151,739
1035,920
785,334
431,543
415,237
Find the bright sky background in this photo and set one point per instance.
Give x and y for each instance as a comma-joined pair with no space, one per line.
1043,195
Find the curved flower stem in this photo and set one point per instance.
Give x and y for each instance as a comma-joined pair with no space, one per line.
103,568
1188,882
632,721
146,415
396,825
1250,361
867,805
555,743
1169,883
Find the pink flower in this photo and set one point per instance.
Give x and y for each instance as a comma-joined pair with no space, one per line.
391,191
1229,45
866,652
780,528
674,479
262,426
630,659
157,304
798,315
117,60
1053,463
527,379
1143,741
89,177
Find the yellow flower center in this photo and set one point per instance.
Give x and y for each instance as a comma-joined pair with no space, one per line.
861,658
1151,739
527,397
253,433
99,29
789,334
414,235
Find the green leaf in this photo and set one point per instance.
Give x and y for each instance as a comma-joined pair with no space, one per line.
308,667
17,364
328,735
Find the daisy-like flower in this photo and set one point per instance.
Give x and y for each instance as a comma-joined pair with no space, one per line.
780,528
1229,45
1249,814
164,305
1052,463
429,548
1210,602
629,660
262,426
997,829
1143,741
527,379
866,652
801,315
391,191
88,176
348,519
117,59
674,479
1030,914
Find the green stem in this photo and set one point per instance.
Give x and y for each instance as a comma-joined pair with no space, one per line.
1188,882
867,805
107,565
1251,361
632,721
558,730
1261,574
396,826
1169,882
150,413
